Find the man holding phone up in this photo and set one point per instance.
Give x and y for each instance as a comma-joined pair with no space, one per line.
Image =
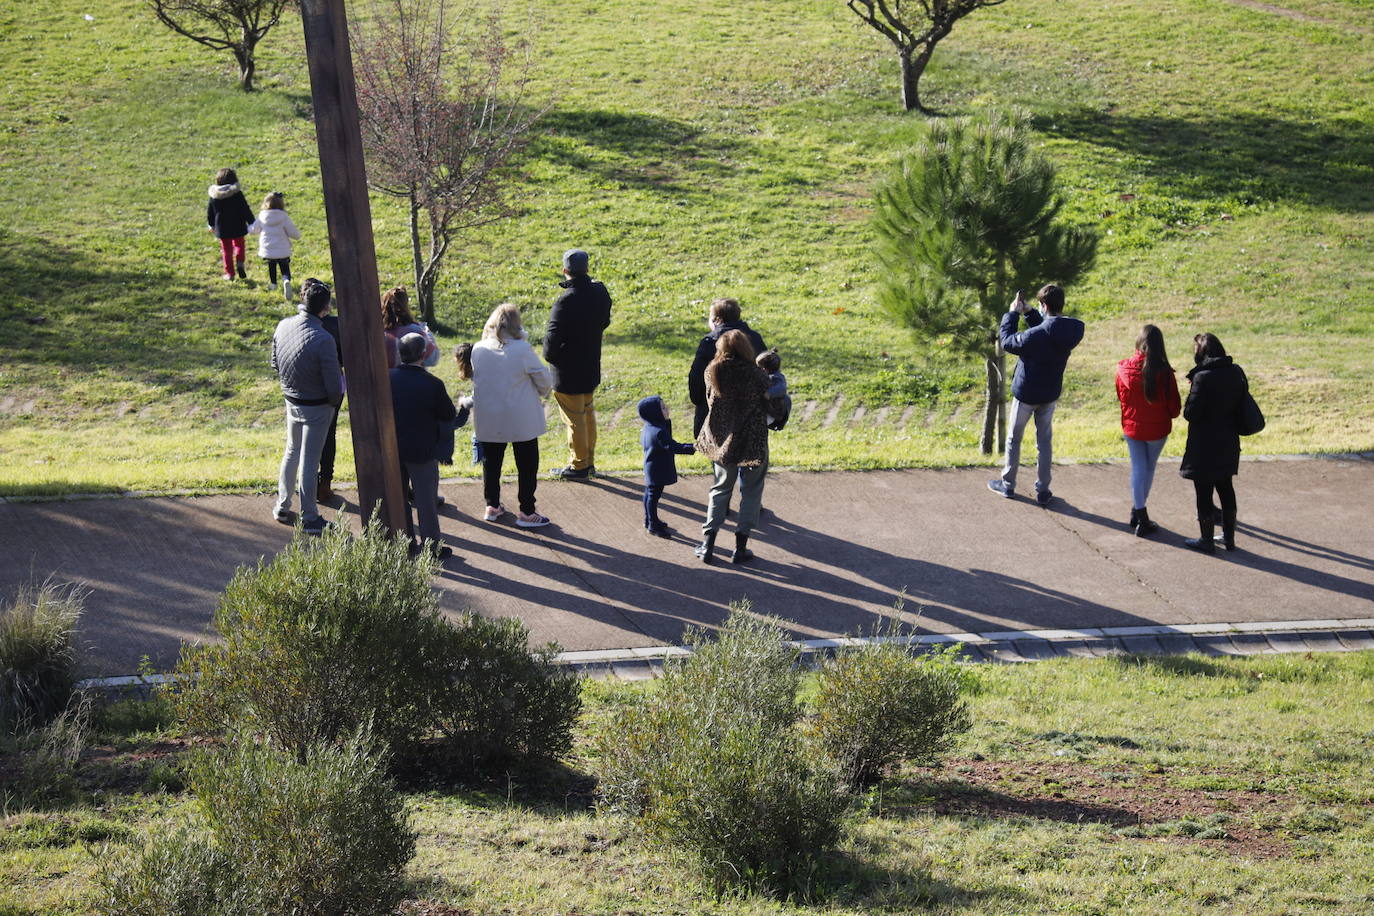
1043,349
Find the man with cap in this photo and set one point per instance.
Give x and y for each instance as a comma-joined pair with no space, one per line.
307,365
420,403
572,347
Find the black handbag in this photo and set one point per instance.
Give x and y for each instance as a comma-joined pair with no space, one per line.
1251,419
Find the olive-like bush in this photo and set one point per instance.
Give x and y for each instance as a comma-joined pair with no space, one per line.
497,704
880,704
712,764
274,835
334,634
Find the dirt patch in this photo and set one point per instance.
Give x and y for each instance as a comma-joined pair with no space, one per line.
429,908
105,767
1121,797
1298,15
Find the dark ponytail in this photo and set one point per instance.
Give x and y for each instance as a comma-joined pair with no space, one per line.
1150,343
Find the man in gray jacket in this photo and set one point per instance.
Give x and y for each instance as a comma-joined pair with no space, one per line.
307,363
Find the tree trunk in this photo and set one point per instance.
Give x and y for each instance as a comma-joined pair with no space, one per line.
416,256
912,68
247,67
992,403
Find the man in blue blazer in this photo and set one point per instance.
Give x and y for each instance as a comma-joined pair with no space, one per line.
420,402
1043,349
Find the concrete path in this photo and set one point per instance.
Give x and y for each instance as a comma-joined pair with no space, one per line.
835,552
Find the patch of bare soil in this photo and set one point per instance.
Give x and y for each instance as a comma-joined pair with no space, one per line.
1296,14
107,767
1077,793
429,908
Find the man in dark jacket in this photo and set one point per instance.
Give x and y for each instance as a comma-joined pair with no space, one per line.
306,360
420,402
723,316
1043,349
572,347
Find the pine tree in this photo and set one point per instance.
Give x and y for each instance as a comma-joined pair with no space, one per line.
969,215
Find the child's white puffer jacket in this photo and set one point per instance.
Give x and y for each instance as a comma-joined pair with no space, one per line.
275,232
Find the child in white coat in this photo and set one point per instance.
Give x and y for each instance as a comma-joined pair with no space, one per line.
275,232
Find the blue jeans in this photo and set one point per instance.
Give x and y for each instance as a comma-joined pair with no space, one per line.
653,492
1044,437
1144,457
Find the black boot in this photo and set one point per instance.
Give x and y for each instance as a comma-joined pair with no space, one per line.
742,552
1135,517
1143,526
1203,544
707,547
243,273
1227,538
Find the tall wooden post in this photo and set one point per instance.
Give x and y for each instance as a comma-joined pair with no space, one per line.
354,258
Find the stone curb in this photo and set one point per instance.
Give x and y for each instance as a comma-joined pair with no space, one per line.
1004,646
1015,646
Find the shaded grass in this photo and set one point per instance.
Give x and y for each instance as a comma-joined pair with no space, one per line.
697,150
1052,804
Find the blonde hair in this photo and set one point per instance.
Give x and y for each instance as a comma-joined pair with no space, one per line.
504,324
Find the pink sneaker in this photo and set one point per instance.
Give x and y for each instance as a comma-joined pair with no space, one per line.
533,520
494,513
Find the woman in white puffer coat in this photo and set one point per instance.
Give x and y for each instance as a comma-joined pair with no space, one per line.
275,232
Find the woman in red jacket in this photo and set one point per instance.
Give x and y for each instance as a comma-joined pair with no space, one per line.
1148,392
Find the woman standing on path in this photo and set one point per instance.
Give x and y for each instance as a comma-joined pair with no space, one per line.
1212,456
509,383
735,438
1148,392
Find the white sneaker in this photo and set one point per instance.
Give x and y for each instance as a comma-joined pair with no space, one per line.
533,520
286,288
271,286
494,513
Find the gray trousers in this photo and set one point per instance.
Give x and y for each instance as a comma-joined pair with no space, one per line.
1044,445
750,496
424,480
306,429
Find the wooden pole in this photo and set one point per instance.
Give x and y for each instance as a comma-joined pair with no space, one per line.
353,254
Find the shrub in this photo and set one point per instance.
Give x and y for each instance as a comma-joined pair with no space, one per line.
496,702
179,872
48,756
878,704
332,634
38,654
277,837
712,764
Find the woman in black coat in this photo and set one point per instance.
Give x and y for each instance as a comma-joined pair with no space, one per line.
1212,455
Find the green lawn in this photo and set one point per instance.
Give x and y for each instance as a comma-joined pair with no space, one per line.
696,149
1143,786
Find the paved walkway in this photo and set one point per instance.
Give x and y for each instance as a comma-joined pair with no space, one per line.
835,552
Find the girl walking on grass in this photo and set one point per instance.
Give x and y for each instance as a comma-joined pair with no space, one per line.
229,217
275,230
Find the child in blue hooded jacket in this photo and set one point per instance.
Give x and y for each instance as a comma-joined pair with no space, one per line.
660,468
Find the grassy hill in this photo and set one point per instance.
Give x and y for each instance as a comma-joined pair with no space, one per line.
697,149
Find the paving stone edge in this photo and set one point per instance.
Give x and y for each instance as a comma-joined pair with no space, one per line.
1000,646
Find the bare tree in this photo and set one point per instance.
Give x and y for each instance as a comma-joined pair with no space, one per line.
236,26
442,101
915,27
